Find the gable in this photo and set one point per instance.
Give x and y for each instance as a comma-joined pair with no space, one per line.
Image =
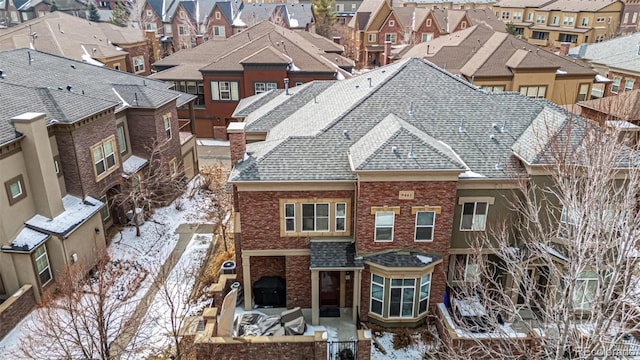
378,18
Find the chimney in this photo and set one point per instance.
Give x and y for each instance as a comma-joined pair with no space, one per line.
199,39
564,48
337,39
387,53
38,159
237,141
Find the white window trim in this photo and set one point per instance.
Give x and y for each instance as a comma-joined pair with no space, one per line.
393,220
107,169
579,291
106,208
432,226
340,217
293,217
402,287
166,121
20,190
216,93
138,64
419,291
616,82
265,86
371,298
315,217
47,268
473,218
122,145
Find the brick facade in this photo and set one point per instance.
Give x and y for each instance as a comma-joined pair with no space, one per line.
220,21
146,125
623,78
15,309
292,349
141,49
298,280
267,266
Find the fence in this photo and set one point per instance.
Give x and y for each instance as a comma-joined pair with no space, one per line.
342,350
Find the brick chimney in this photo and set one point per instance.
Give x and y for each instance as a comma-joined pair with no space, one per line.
38,159
386,53
337,39
199,39
237,141
564,48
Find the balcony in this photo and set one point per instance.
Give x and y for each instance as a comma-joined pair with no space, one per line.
539,42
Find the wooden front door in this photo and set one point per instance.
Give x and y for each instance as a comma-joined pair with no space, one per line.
329,288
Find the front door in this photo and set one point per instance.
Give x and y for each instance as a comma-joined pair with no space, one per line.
329,289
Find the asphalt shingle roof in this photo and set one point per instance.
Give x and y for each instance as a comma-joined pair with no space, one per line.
334,254
465,127
68,90
403,258
621,52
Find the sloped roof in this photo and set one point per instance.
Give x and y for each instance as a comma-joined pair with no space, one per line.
228,54
68,90
480,51
321,42
577,5
620,53
296,16
487,18
410,17
366,12
522,3
70,36
624,106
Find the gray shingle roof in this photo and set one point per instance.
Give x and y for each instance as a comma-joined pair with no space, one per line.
621,52
41,86
334,254
403,258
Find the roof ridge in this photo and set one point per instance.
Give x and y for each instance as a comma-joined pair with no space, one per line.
233,51
484,51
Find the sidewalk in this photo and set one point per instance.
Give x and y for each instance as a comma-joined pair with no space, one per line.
185,234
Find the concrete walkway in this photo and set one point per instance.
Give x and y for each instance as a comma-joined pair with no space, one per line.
185,234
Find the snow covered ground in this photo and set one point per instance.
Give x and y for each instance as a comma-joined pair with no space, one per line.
147,252
415,351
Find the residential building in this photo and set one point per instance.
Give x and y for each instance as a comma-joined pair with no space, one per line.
497,62
344,9
294,16
260,58
379,28
14,12
103,44
629,20
548,23
363,194
617,59
448,4
89,130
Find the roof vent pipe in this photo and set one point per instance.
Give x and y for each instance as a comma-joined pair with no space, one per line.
286,86
369,81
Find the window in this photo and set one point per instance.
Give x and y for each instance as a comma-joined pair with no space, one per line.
600,20
353,7
600,38
585,290
168,29
173,167
339,8
137,185
341,217
615,85
425,221
493,88
289,217
634,18
517,16
122,140
428,22
530,17
555,20
217,15
371,38
384,225
224,91
474,216
583,92
182,14
138,64
567,20
541,19
390,37
505,15
182,30
425,289
540,35
106,4
377,294
585,21
15,189
568,38
148,12
628,85
392,23
401,299
42,265
116,66
464,268
261,87
166,120
194,88
609,20
218,31
463,25
315,217
534,91
104,212
151,26
427,37
104,157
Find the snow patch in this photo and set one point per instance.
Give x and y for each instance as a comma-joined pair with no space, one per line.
211,142
425,259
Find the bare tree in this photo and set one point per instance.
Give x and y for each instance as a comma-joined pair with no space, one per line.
85,315
556,277
159,182
219,207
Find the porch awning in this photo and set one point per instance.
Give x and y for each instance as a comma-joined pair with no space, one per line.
403,259
334,255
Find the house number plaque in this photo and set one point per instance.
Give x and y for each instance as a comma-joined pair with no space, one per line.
406,195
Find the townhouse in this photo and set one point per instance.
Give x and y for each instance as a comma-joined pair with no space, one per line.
448,4
13,12
629,21
69,36
497,61
379,28
260,58
617,59
364,195
71,134
548,23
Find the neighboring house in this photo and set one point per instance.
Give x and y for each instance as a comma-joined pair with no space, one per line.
344,9
548,23
362,195
291,16
498,62
617,59
378,27
261,58
622,107
94,130
629,22
19,11
448,4
69,36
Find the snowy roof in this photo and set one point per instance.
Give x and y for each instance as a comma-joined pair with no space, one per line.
133,164
76,211
27,240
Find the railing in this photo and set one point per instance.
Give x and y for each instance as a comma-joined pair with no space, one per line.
342,350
